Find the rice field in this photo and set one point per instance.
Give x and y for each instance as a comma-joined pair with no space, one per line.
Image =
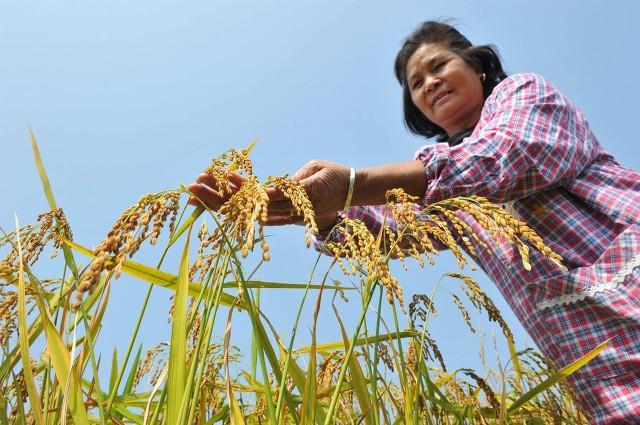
388,370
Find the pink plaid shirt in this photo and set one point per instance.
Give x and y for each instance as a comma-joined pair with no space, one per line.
533,152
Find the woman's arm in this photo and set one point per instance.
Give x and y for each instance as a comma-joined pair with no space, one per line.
327,184
372,183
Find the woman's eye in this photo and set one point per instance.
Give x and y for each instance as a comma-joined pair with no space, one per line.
439,66
416,84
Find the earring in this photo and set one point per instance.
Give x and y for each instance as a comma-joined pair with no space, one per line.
483,77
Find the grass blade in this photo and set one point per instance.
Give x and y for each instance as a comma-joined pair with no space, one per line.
114,370
517,367
178,352
339,345
48,192
236,417
128,386
309,394
557,377
157,277
279,285
349,352
445,378
161,378
62,364
187,224
34,399
357,377
95,365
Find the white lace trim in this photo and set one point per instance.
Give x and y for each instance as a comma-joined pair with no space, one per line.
594,289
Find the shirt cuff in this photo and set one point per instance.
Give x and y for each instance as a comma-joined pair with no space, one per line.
328,233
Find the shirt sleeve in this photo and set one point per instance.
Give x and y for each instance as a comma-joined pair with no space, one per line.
529,138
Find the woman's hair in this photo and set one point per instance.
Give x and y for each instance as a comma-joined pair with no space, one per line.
482,58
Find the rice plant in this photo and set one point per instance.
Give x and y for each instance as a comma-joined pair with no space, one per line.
388,370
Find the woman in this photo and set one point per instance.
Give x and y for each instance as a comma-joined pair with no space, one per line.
517,141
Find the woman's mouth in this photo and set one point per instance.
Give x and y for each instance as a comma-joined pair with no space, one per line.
440,97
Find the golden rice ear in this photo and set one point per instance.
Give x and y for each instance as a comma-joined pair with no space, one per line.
293,190
246,207
127,234
362,251
51,227
482,301
231,161
501,226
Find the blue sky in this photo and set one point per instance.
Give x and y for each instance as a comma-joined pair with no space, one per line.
128,98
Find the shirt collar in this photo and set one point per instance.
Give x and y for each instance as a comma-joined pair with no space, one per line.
457,138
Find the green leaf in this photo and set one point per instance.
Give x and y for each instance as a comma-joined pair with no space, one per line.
128,386
157,277
34,331
187,224
516,364
309,393
48,192
23,338
357,377
89,347
114,371
279,285
339,345
62,364
441,399
445,378
178,351
557,377
236,416
220,415
136,419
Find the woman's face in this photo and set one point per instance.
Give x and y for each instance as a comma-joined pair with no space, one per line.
445,88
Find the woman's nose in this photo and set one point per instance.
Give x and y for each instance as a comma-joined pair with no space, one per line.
432,83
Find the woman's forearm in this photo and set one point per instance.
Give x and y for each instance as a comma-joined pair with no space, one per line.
372,183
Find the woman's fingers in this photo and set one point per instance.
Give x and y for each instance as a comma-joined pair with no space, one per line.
205,194
236,180
283,220
207,179
309,169
280,207
205,189
275,195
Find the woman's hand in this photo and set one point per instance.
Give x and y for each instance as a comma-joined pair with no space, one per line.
326,184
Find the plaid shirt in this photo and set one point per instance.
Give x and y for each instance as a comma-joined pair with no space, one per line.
532,151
